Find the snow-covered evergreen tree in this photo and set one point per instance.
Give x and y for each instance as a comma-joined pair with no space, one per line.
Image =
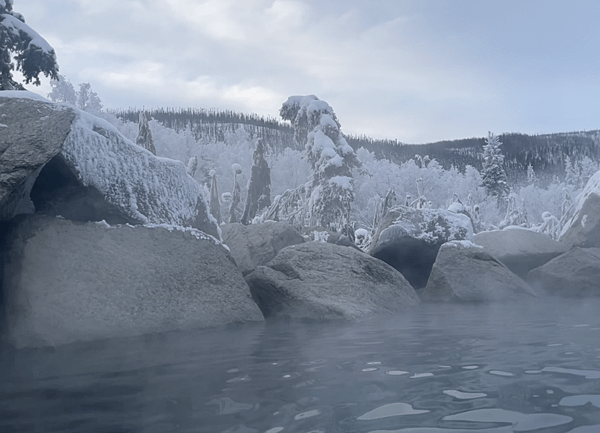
23,49
531,176
215,204
62,90
88,100
259,187
571,175
144,137
236,197
192,166
331,158
493,175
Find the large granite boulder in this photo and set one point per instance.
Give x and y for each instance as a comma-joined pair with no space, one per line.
409,239
466,272
318,280
257,244
521,250
66,281
31,134
87,171
575,273
583,228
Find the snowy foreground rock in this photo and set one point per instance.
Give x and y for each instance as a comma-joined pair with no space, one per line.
521,250
576,273
255,245
409,239
318,280
583,228
466,272
66,281
79,166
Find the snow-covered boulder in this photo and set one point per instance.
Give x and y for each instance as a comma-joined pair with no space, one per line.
95,173
29,138
575,273
66,281
257,244
466,272
521,250
409,239
318,280
583,228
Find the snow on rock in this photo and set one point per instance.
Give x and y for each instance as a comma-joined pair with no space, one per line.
408,239
583,228
142,188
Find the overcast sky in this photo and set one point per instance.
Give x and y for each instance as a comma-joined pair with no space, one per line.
417,71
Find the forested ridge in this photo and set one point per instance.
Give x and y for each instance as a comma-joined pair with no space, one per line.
546,152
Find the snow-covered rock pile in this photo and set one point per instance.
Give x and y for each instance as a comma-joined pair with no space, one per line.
409,239
96,160
583,228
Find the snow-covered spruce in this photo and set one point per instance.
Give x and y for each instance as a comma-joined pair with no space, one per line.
32,54
259,187
494,176
144,138
331,158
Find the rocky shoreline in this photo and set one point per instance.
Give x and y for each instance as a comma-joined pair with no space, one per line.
100,239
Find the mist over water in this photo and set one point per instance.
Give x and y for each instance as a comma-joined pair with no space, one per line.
441,368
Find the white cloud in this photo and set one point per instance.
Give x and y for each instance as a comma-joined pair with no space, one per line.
391,69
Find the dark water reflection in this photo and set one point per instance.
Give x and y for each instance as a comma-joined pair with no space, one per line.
437,369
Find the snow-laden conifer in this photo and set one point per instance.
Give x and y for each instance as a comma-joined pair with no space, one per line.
88,100
22,49
215,204
236,197
144,137
192,166
331,189
493,175
62,90
259,187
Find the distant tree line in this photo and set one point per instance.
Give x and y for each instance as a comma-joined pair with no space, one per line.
546,154
211,125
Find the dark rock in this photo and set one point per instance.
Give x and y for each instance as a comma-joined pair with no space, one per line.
318,280
66,281
583,228
575,273
465,272
409,239
521,250
257,244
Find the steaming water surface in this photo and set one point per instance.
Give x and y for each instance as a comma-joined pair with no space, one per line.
441,369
